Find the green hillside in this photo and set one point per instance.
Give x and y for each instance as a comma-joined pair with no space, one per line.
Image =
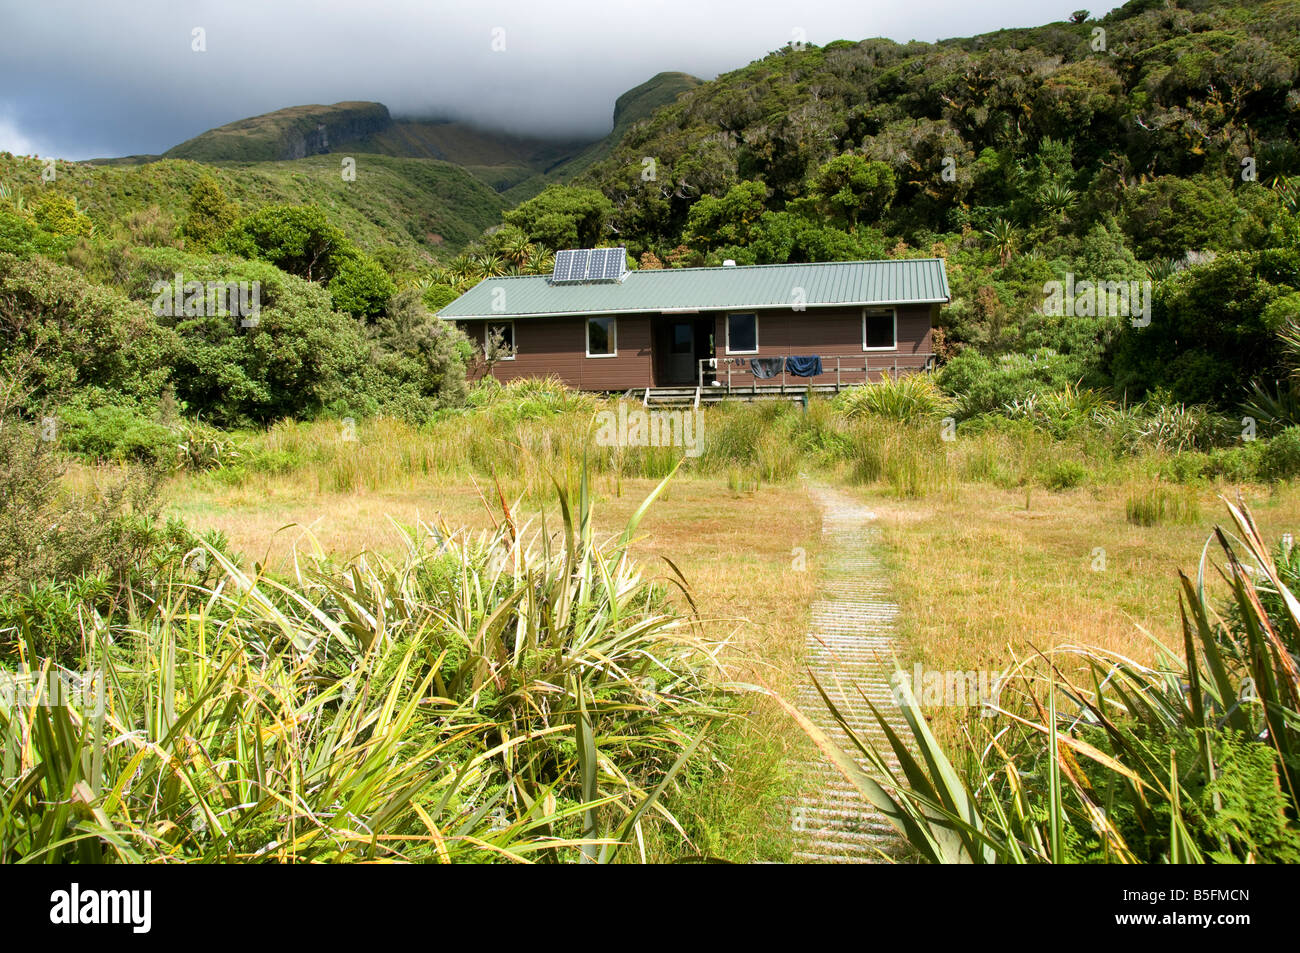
423,206
1176,90
637,104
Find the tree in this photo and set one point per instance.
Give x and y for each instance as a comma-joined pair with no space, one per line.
211,214
298,239
59,215
71,335
1005,240
788,237
1214,328
563,217
360,287
729,220
851,188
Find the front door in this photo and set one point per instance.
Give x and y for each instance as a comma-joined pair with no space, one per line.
679,366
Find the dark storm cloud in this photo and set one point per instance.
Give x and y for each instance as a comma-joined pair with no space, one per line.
97,79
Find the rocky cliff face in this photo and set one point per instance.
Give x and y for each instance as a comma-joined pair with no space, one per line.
337,128
292,133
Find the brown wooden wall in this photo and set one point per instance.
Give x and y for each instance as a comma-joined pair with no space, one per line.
557,346
830,333
546,346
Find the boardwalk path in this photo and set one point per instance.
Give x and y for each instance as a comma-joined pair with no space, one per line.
851,638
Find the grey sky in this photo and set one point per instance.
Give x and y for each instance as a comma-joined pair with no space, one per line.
117,77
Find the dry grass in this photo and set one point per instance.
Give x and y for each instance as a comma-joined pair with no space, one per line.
981,576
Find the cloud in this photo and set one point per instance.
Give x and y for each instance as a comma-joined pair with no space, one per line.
13,139
92,79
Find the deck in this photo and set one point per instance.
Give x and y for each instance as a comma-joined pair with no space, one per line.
722,380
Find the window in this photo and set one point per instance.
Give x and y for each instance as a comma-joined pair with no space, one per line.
879,329
683,339
504,334
742,334
602,337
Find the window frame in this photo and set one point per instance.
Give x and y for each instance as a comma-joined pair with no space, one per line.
893,313
487,336
736,314
613,333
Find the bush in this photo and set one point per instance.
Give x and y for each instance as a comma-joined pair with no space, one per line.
50,532
361,288
1064,475
911,398
64,335
298,239
211,214
114,433
299,358
982,384
1279,459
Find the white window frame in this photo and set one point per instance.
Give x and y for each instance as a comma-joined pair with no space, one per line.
613,330
487,334
894,314
736,314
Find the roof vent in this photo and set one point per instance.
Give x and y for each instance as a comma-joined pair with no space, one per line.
729,263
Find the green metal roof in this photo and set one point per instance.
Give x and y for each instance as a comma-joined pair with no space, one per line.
731,287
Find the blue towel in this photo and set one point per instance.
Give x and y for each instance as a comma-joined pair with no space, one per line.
807,366
764,368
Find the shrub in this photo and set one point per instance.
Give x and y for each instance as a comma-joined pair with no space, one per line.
48,531
910,398
982,384
111,432
298,239
1154,504
211,214
1279,459
1163,425
62,334
301,357
1060,412
360,287
1064,475
497,696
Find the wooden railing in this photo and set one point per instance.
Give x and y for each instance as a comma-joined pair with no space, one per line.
739,373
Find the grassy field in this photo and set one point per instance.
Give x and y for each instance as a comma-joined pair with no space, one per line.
994,572
985,570
1000,543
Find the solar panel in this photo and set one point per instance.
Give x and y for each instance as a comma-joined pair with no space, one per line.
589,264
611,267
564,267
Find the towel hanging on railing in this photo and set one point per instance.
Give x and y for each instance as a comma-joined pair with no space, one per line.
764,368
809,365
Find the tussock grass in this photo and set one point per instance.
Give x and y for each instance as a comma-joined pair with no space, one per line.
910,398
1152,504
